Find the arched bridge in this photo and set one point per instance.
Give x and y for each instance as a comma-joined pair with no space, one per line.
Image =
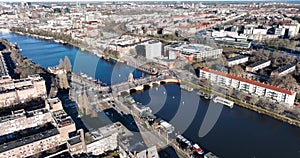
143,84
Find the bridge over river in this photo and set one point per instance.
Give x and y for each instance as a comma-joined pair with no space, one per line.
142,84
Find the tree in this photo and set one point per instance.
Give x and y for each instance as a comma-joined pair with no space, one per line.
275,80
132,52
237,70
253,100
67,64
61,64
290,82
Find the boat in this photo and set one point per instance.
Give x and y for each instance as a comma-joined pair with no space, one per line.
197,148
200,93
184,140
206,96
223,101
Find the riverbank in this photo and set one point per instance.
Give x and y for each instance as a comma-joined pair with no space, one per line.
86,49
246,105
60,41
27,67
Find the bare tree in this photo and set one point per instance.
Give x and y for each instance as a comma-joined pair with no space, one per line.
67,64
290,82
61,64
132,52
275,80
237,70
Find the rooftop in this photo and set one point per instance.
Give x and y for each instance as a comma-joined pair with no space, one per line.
237,58
283,68
106,130
258,63
62,119
74,140
27,140
22,113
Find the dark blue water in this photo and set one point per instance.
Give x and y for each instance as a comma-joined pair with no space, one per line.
47,53
237,133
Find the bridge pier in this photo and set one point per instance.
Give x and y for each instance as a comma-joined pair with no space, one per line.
142,86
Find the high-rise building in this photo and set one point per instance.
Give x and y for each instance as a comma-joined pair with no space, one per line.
150,50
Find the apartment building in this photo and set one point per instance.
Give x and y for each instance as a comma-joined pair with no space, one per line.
192,51
53,104
150,50
237,60
31,145
76,144
21,119
284,70
258,65
278,95
15,91
64,124
3,68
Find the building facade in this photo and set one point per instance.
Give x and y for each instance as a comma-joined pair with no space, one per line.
31,145
237,60
284,70
192,51
18,91
258,65
150,50
259,89
20,120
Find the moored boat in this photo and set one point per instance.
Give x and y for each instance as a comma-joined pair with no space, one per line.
198,149
223,101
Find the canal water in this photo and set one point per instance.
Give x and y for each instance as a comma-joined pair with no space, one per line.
237,132
48,53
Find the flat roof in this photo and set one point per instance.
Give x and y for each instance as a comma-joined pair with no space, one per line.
27,140
283,68
237,58
249,81
74,140
258,63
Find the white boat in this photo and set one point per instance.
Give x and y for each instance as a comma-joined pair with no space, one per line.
184,140
223,101
198,149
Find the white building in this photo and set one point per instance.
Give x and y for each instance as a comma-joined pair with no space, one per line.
21,119
284,70
273,93
237,60
258,65
105,139
150,50
191,51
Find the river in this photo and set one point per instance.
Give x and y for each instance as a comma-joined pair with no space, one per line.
48,53
238,132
